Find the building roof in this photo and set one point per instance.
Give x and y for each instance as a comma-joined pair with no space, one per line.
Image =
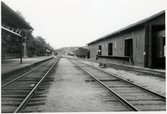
130,26
12,18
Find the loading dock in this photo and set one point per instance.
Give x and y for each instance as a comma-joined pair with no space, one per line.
134,44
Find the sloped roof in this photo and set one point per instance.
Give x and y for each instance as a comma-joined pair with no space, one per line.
12,18
130,26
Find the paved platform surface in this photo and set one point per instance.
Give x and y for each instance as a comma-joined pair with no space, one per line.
129,66
10,65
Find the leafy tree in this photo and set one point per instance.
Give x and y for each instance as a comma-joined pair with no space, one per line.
40,45
20,14
31,45
10,43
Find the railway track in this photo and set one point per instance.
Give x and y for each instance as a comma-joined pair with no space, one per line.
26,92
134,97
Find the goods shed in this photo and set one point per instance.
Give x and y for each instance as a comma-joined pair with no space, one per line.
141,44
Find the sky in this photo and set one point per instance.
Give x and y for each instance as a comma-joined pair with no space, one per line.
65,23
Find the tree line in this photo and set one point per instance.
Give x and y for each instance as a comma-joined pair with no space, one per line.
35,46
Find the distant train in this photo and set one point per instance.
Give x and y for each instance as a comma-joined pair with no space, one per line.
81,52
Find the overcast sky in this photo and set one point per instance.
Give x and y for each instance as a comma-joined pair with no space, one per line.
66,23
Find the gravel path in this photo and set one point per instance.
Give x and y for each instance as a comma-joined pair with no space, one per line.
153,83
71,93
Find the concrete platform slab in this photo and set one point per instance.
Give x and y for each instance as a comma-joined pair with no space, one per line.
125,65
11,65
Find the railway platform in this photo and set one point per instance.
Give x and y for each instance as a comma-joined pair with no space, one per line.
106,63
133,66
11,66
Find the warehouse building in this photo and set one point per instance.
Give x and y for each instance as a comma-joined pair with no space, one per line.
140,44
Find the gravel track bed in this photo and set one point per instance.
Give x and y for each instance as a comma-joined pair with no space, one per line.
155,84
70,92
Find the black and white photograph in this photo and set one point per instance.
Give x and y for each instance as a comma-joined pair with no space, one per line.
83,56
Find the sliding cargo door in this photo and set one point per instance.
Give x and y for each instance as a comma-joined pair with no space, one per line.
110,49
155,46
129,47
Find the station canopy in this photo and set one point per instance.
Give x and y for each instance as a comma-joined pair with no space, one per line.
12,22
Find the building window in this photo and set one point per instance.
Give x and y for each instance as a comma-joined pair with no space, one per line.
121,44
115,45
110,49
100,50
138,42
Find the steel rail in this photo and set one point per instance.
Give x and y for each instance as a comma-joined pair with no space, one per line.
121,99
23,75
26,100
142,88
